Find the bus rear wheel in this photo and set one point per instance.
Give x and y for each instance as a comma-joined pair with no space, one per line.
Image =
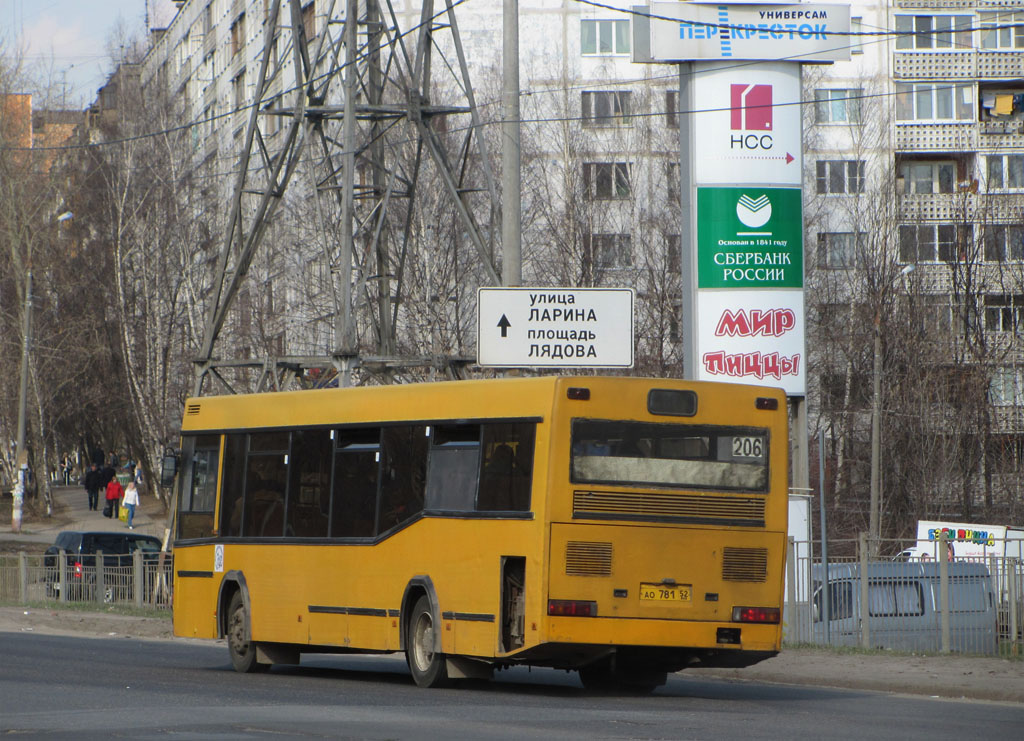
428,667
241,648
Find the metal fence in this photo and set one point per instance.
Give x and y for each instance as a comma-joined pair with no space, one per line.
970,606
125,580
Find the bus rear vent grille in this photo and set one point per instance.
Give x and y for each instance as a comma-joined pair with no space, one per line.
745,564
191,410
698,508
583,558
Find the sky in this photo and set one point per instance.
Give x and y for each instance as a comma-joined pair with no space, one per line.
67,40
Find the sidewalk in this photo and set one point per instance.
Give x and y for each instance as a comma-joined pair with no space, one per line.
71,512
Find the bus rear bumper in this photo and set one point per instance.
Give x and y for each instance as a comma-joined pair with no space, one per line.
573,642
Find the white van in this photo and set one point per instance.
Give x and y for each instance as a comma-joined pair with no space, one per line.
903,609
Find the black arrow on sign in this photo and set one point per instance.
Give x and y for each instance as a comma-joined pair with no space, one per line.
504,324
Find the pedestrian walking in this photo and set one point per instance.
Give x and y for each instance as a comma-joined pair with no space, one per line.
131,501
92,482
65,469
114,493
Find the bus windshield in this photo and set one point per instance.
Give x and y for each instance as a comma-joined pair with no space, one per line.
678,455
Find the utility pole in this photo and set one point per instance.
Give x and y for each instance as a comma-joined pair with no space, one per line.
21,458
511,197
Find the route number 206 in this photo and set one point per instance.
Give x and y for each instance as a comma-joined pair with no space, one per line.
748,447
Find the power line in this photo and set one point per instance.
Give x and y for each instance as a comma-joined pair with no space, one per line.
880,36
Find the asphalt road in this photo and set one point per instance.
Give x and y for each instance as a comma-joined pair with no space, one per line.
57,686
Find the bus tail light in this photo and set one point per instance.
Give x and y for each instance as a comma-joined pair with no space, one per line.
756,615
578,393
763,402
572,608
78,570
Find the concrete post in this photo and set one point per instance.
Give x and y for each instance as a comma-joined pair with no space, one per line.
101,578
865,630
22,577
1012,568
790,613
138,577
62,581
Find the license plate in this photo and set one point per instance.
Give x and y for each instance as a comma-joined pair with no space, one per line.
666,593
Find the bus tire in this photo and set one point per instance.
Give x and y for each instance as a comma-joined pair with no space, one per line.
241,648
428,667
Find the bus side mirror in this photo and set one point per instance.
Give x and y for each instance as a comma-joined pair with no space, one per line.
168,467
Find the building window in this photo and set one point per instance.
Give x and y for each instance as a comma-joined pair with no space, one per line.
1002,30
934,242
1004,243
609,251
933,32
1005,453
1003,312
927,178
238,35
309,21
1006,388
672,180
934,102
840,176
602,180
606,108
238,89
856,27
837,106
208,19
937,315
671,109
838,250
1005,171
599,37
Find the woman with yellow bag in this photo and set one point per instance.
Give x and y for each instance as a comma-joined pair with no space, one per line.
131,501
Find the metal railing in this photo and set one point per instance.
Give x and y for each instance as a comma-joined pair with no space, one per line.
957,605
139,580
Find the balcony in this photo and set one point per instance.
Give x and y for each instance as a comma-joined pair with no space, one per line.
945,207
958,65
936,137
934,65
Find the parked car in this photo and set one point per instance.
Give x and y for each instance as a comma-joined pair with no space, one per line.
904,606
80,567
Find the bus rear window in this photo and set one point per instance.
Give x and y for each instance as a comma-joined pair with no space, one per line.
677,455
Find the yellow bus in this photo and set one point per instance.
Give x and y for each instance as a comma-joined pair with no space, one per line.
621,527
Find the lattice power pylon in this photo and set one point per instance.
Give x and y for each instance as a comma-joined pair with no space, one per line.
354,102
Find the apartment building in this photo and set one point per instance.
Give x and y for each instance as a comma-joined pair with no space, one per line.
917,224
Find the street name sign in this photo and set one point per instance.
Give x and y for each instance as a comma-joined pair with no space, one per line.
555,327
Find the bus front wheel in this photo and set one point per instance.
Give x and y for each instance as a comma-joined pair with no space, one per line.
428,667
240,646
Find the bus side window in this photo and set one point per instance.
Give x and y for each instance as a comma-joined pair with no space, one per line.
354,487
507,468
309,474
452,467
232,486
403,474
199,490
265,479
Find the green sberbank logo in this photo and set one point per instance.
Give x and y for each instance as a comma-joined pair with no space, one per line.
749,238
